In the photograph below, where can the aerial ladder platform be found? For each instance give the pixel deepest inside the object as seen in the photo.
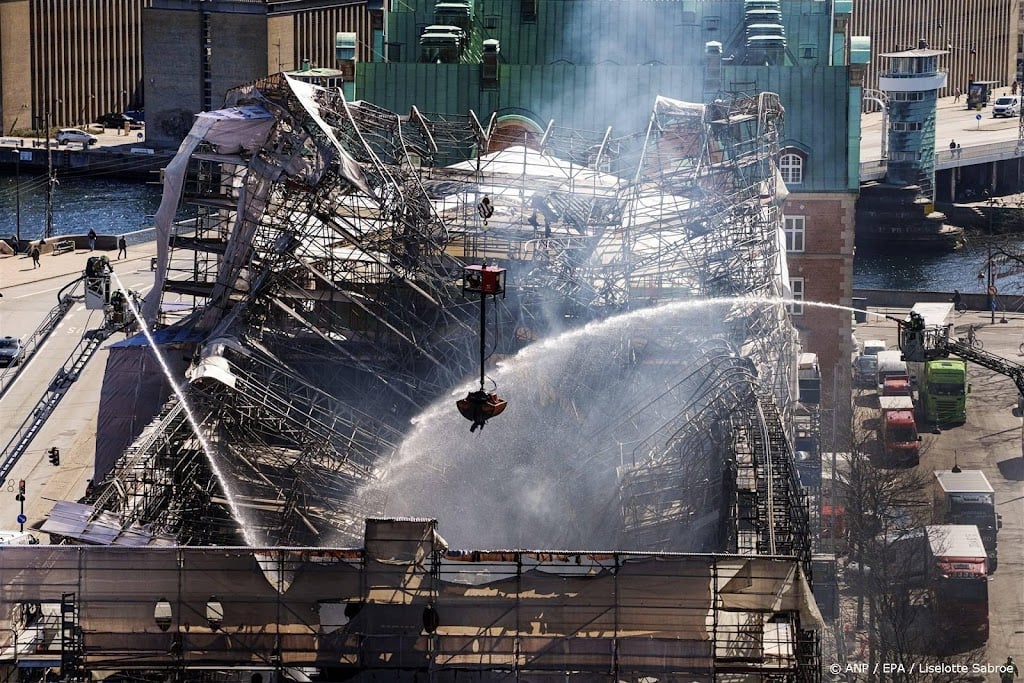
(919, 343)
(97, 297)
(58, 386)
(66, 298)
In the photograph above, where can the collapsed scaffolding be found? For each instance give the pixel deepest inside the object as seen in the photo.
(322, 257)
(315, 281)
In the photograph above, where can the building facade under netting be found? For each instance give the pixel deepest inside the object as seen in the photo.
(404, 607)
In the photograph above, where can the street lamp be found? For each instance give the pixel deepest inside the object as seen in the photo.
(86, 106)
(17, 198)
(214, 613)
(162, 614)
(991, 279)
(51, 179)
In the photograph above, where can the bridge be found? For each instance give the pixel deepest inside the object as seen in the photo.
(989, 154)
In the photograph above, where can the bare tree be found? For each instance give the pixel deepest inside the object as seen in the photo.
(885, 512)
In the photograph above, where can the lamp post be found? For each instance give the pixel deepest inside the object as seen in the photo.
(17, 198)
(990, 288)
(51, 179)
(87, 108)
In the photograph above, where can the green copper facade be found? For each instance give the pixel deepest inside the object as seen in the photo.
(589, 65)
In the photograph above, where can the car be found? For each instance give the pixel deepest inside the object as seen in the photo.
(11, 351)
(1007, 105)
(865, 370)
(137, 118)
(113, 120)
(66, 135)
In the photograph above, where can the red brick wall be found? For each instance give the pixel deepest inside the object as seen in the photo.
(826, 265)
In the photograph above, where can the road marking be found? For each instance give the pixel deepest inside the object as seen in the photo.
(54, 289)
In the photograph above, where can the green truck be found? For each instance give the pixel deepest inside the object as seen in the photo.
(943, 390)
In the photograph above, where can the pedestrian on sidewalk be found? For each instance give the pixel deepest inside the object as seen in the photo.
(92, 239)
(122, 247)
(956, 95)
(34, 253)
(952, 148)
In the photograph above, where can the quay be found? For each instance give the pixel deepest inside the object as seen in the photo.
(115, 154)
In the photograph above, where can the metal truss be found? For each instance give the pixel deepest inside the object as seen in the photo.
(325, 267)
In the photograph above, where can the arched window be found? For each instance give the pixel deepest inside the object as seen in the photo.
(791, 165)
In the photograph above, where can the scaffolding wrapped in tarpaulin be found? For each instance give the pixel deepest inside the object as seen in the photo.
(404, 602)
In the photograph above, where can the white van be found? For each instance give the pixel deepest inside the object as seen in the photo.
(873, 346)
(1007, 105)
(890, 364)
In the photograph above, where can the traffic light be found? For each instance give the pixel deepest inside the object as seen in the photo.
(21, 491)
(54, 456)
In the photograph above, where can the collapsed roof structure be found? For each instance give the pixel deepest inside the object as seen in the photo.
(311, 305)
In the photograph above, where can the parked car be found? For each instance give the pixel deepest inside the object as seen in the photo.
(137, 117)
(66, 135)
(113, 120)
(10, 351)
(865, 371)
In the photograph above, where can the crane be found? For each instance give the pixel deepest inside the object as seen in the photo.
(480, 406)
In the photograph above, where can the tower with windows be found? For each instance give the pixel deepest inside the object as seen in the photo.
(911, 83)
(900, 211)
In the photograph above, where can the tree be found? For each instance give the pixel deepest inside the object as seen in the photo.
(885, 512)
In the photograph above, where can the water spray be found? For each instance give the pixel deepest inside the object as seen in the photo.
(204, 443)
(480, 406)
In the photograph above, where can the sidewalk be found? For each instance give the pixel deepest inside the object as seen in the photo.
(18, 270)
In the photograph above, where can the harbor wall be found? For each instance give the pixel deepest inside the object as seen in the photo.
(905, 299)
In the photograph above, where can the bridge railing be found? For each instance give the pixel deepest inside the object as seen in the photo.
(874, 169)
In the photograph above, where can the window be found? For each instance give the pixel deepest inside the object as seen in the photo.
(904, 156)
(796, 286)
(791, 165)
(906, 96)
(906, 125)
(794, 227)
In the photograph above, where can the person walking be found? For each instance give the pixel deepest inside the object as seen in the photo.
(952, 148)
(122, 247)
(92, 239)
(34, 254)
(1008, 671)
(956, 95)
